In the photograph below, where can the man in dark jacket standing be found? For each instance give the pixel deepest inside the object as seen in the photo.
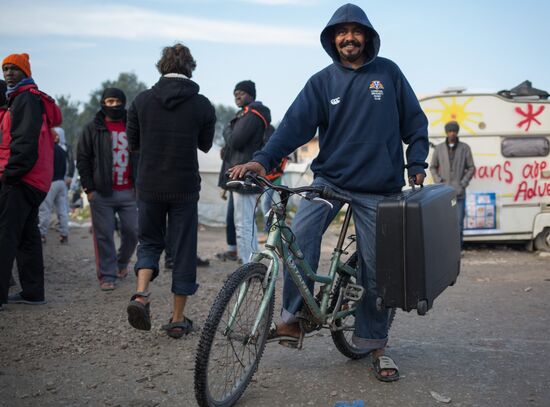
(106, 167)
(166, 125)
(364, 110)
(26, 168)
(453, 164)
(243, 137)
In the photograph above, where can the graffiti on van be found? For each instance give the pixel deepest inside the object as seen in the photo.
(532, 182)
(456, 111)
(529, 116)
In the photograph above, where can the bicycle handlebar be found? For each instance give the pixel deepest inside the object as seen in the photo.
(323, 192)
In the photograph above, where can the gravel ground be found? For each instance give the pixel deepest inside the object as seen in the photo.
(485, 343)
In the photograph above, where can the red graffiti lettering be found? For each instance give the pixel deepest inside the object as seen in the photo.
(509, 176)
(501, 172)
(529, 115)
(534, 170)
(536, 189)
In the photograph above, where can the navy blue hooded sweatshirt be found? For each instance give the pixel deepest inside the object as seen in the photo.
(362, 116)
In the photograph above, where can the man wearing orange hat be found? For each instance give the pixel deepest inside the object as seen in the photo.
(26, 170)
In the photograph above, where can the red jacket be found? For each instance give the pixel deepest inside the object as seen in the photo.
(27, 142)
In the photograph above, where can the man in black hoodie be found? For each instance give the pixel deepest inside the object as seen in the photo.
(106, 166)
(243, 137)
(167, 124)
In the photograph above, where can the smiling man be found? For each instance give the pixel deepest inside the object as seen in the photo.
(363, 109)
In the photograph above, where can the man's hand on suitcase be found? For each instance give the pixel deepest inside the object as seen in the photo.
(417, 179)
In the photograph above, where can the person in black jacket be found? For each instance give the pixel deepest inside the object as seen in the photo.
(26, 168)
(106, 172)
(167, 124)
(243, 137)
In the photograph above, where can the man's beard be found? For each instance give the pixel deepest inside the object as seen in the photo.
(350, 57)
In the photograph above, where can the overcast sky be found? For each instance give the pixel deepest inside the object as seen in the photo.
(75, 45)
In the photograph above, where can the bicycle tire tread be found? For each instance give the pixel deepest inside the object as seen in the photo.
(209, 331)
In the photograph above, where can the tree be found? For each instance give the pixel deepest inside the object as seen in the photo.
(224, 114)
(69, 112)
(126, 81)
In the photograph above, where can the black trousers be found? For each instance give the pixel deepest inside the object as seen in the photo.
(182, 241)
(20, 239)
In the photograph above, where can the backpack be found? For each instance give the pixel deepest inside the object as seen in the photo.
(276, 172)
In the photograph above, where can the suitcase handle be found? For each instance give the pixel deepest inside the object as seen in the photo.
(412, 183)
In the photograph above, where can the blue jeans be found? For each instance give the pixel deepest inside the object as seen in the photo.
(311, 221)
(182, 238)
(245, 225)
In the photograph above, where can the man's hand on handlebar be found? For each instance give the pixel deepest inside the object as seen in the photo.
(239, 171)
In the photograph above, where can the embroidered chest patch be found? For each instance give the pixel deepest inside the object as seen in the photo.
(376, 90)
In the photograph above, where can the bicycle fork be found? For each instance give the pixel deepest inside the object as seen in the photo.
(269, 281)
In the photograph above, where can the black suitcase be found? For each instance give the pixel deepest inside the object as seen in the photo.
(417, 247)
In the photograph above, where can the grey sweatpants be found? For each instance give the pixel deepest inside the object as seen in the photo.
(57, 197)
(103, 209)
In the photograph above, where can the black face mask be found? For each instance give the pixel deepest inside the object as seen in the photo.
(113, 112)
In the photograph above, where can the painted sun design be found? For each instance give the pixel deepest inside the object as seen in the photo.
(457, 112)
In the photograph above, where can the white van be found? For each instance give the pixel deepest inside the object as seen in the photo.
(509, 135)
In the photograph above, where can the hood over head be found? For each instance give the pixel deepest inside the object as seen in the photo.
(350, 13)
(114, 93)
(61, 133)
(170, 92)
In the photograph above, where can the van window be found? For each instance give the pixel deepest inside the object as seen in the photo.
(525, 147)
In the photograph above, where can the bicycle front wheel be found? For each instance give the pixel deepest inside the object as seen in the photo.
(228, 354)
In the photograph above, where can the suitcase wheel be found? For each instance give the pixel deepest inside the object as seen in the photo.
(379, 304)
(421, 307)
(453, 283)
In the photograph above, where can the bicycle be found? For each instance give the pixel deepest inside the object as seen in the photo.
(235, 333)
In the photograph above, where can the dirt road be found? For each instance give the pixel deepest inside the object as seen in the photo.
(485, 343)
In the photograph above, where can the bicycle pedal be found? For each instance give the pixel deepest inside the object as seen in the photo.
(353, 292)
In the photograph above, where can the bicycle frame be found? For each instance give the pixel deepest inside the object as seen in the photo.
(281, 246)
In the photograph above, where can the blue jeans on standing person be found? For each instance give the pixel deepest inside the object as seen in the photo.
(311, 221)
(183, 224)
(460, 206)
(245, 224)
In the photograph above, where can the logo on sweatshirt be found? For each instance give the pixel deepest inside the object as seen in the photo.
(335, 101)
(376, 90)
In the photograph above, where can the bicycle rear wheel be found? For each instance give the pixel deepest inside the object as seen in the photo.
(343, 338)
(227, 356)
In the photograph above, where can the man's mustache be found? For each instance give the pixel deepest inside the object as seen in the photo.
(345, 43)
